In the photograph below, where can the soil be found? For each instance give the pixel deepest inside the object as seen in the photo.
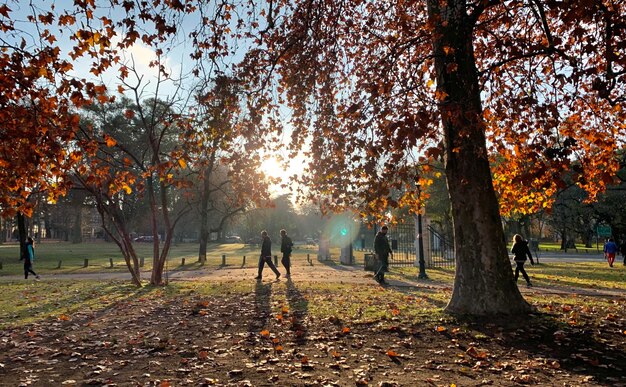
(237, 339)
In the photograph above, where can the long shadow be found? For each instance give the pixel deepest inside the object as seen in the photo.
(574, 349)
(298, 310)
(262, 307)
(340, 267)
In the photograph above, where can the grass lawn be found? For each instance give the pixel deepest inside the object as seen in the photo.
(248, 333)
(99, 254)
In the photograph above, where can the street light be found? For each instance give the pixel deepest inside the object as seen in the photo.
(420, 241)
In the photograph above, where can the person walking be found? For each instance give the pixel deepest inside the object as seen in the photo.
(266, 256)
(286, 246)
(610, 249)
(382, 249)
(28, 255)
(521, 251)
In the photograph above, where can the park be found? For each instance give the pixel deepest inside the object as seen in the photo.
(329, 324)
(393, 163)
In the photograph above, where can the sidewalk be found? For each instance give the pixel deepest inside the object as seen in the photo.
(317, 273)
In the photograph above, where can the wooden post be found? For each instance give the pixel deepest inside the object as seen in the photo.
(223, 259)
(243, 264)
(1, 263)
(111, 262)
(141, 259)
(86, 264)
(308, 258)
(182, 262)
(59, 265)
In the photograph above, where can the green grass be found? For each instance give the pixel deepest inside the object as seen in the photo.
(586, 275)
(98, 254)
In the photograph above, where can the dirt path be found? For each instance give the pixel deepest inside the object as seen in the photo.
(316, 272)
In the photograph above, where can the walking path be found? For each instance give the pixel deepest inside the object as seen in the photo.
(317, 272)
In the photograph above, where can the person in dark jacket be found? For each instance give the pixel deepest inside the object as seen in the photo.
(383, 251)
(28, 255)
(610, 250)
(521, 251)
(286, 246)
(266, 256)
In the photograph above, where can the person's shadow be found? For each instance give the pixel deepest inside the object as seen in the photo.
(262, 307)
(298, 309)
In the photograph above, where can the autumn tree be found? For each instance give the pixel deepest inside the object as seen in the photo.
(227, 161)
(375, 87)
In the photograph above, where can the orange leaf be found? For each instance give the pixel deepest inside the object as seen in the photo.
(203, 355)
(110, 141)
(439, 328)
(165, 383)
(391, 353)
(476, 354)
(64, 317)
(395, 312)
(345, 330)
(304, 360)
(265, 333)
(278, 348)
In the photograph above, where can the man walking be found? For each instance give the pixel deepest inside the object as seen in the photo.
(266, 256)
(383, 251)
(286, 246)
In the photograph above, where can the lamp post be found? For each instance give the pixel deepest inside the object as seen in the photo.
(420, 241)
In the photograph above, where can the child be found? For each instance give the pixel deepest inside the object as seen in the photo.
(520, 250)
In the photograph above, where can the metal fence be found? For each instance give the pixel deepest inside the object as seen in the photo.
(438, 251)
(441, 250)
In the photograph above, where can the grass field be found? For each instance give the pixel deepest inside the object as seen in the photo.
(99, 256)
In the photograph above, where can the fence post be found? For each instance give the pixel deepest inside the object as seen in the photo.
(59, 265)
(243, 264)
(86, 264)
(141, 259)
(223, 259)
(308, 258)
(0, 265)
(182, 262)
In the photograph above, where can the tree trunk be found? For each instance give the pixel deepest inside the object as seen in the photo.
(484, 281)
(21, 232)
(204, 207)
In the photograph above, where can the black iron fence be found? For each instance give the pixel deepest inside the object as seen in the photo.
(438, 251)
(441, 250)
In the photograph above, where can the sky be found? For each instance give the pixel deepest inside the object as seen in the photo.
(177, 63)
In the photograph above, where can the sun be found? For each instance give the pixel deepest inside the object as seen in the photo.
(275, 168)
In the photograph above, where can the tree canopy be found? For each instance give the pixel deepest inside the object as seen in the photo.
(509, 94)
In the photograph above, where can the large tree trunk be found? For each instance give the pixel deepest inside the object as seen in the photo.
(484, 281)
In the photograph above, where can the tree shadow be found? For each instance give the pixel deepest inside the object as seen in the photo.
(556, 344)
(339, 266)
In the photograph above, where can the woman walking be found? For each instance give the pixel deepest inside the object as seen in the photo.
(521, 251)
(28, 256)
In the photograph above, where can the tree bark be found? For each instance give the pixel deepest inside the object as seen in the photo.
(484, 281)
